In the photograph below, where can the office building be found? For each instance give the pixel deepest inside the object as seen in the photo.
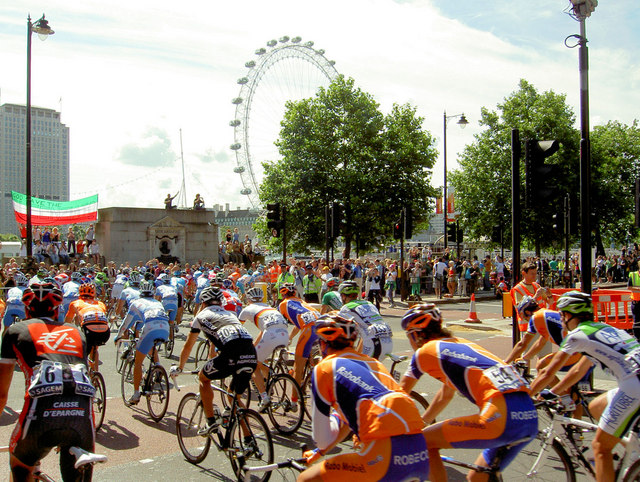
(49, 158)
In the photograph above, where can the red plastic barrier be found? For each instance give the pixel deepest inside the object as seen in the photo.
(609, 306)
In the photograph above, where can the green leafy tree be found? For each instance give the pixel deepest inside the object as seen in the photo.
(483, 182)
(339, 148)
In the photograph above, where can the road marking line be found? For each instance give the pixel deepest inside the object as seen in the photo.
(146, 461)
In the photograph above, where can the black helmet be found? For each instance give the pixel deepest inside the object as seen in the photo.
(212, 295)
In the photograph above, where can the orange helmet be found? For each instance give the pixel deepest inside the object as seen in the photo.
(87, 290)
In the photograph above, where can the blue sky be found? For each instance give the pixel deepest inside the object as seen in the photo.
(129, 76)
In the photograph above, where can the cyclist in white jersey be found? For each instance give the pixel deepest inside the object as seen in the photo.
(70, 293)
(618, 353)
(273, 333)
(376, 337)
(15, 306)
(168, 296)
(152, 323)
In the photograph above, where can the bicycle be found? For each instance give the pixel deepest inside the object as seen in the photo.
(244, 436)
(565, 443)
(420, 399)
(155, 382)
(202, 352)
(84, 460)
(99, 398)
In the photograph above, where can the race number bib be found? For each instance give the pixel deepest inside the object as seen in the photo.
(271, 320)
(504, 378)
(380, 330)
(50, 377)
(633, 359)
(94, 316)
(306, 318)
(366, 310)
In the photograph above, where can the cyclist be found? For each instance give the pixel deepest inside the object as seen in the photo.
(236, 353)
(302, 317)
(151, 323)
(618, 353)
(180, 284)
(273, 333)
(331, 299)
(168, 296)
(118, 285)
(506, 412)
(232, 300)
(91, 315)
(201, 283)
(57, 409)
(15, 306)
(129, 293)
(102, 284)
(376, 337)
(353, 392)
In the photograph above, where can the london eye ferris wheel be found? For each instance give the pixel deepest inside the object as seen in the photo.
(287, 69)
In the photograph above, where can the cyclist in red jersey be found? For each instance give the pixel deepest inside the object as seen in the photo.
(354, 392)
(506, 412)
(52, 356)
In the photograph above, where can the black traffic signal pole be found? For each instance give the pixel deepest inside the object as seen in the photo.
(284, 234)
(515, 223)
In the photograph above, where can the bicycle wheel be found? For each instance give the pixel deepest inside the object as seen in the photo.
(122, 351)
(554, 466)
(419, 401)
(126, 381)
(285, 414)
(157, 392)
(250, 444)
(632, 474)
(202, 353)
(245, 398)
(189, 419)
(114, 320)
(99, 399)
(169, 344)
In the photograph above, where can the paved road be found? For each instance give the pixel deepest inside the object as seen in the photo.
(141, 449)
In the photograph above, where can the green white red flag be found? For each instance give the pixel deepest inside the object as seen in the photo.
(55, 213)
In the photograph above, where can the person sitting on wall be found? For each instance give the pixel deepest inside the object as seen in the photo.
(198, 202)
(168, 201)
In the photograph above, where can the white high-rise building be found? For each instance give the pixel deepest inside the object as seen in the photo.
(49, 158)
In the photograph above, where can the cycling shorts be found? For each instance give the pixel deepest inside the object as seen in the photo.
(623, 408)
(48, 422)
(502, 419)
(196, 297)
(306, 338)
(116, 290)
(271, 339)
(148, 338)
(95, 334)
(380, 344)
(13, 309)
(402, 457)
(170, 305)
(236, 355)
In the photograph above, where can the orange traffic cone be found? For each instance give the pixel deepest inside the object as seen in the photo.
(473, 316)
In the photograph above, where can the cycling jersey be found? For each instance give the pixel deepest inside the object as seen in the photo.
(93, 316)
(236, 353)
(365, 396)
(118, 285)
(201, 284)
(375, 333)
(52, 356)
(14, 306)
(129, 294)
(332, 299)
(169, 298)
(232, 301)
(617, 353)
(548, 325)
(303, 317)
(148, 315)
(272, 325)
(506, 410)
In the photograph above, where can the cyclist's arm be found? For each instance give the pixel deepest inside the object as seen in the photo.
(438, 404)
(519, 347)
(548, 372)
(293, 334)
(328, 431)
(573, 376)
(535, 349)
(71, 314)
(186, 349)
(128, 321)
(6, 374)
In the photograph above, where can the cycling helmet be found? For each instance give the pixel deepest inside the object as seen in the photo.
(49, 279)
(227, 284)
(20, 279)
(331, 327)
(84, 271)
(348, 288)
(164, 277)
(42, 273)
(62, 278)
(220, 276)
(148, 275)
(255, 294)
(87, 290)
(212, 295)
(420, 317)
(147, 288)
(101, 276)
(76, 276)
(135, 278)
(41, 299)
(527, 303)
(576, 302)
(287, 289)
(331, 282)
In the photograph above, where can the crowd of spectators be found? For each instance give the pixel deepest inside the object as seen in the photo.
(52, 247)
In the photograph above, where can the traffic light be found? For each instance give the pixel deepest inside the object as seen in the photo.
(397, 230)
(452, 232)
(408, 222)
(460, 235)
(496, 234)
(540, 179)
(275, 222)
(558, 224)
(336, 219)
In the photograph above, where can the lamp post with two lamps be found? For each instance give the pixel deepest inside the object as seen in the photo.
(462, 122)
(41, 27)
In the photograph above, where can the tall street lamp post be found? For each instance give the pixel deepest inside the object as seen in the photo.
(41, 27)
(462, 122)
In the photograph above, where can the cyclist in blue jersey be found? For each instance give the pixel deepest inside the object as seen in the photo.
(15, 306)
(69, 293)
